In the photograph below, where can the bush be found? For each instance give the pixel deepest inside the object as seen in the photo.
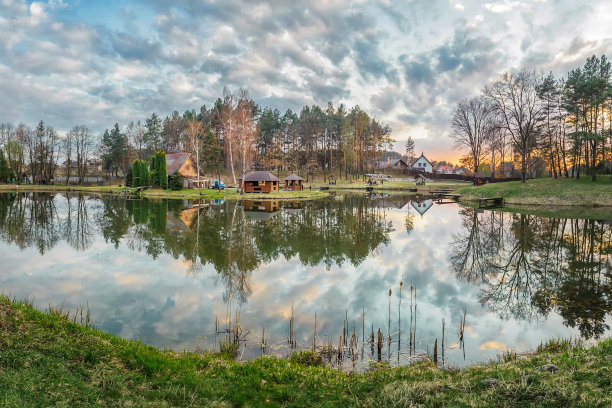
(176, 181)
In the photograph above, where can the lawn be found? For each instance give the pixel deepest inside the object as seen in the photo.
(546, 191)
(47, 359)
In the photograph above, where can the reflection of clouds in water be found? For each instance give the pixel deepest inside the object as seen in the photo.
(162, 303)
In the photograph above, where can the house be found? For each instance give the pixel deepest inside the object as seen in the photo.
(259, 182)
(536, 168)
(460, 171)
(441, 169)
(390, 164)
(183, 164)
(294, 183)
(422, 164)
(507, 169)
(421, 206)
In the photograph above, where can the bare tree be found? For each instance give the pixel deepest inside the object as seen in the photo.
(471, 125)
(68, 146)
(515, 100)
(84, 144)
(194, 130)
(136, 132)
(247, 132)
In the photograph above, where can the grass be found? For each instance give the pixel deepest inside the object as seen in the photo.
(547, 191)
(158, 193)
(46, 359)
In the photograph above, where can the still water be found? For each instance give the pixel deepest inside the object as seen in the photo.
(166, 271)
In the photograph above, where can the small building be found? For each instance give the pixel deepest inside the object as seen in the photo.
(419, 179)
(331, 179)
(294, 183)
(422, 164)
(442, 169)
(390, 164)
(185, 166)
(259, 182)
(479, 178)
(460, 171)
(508, 170)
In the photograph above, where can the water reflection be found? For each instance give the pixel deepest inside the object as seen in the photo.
(529, 266)
(161, 270)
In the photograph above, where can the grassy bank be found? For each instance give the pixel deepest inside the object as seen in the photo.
(546, 191)
(181, 194)
(46, 359)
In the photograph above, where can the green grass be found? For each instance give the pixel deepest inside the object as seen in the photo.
(158, 193)
(546, 191)
(48, 360)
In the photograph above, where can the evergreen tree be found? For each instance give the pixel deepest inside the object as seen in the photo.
(163, 172)
(153, 171)
(4, 168)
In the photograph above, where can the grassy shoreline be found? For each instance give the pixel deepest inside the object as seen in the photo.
(546, 192)
(47, 359)
(229, 194)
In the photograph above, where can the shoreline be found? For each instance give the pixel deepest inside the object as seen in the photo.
(47, 358)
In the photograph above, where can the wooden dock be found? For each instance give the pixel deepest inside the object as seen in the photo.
(484, 202)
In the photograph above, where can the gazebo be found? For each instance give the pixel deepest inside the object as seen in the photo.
(259, 182)
(294, 183)
(331, 179)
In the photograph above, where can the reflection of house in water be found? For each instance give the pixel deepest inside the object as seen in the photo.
(261, 210)
(421, 206)
(292, 207)
(184, 221)
(398, 202)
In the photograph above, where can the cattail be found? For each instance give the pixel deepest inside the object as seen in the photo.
(435, 355)
(389, 328)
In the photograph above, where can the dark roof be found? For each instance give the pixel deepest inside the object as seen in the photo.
(259, 176)
(293, 177)
(480, 175)
(174, 162)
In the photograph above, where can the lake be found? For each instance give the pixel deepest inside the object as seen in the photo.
(170, 272)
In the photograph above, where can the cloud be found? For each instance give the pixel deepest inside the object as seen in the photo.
(408, 63)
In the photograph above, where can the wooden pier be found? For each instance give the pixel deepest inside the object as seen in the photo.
(490, 202)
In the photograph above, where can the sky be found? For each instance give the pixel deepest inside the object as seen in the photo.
(407, 63)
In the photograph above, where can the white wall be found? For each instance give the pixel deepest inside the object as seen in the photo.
(422, 164)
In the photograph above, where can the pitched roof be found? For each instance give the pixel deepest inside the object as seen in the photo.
(174, 162)
(423, 156)
(259, 176)
(293, 177)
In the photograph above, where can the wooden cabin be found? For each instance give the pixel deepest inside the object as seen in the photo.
(294, 183)
(259, 182)
(185, 166)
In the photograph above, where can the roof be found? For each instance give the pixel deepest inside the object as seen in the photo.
(480, 174)
(259, 176)
(174, 161)
(383, 164)
(423, 156)
(293, 177)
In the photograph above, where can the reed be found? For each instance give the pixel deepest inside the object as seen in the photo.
(389, 316)
(435, 352)
(442, 342)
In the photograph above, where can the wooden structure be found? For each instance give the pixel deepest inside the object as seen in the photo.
(294, 183)
(185, 166)
(420, 180)
(259, 182)
(490, 202)
(479, 179)
(332, 179)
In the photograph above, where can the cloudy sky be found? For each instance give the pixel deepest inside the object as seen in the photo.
(408, 62)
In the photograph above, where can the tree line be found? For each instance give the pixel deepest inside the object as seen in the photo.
(234, 135)
(525, 116)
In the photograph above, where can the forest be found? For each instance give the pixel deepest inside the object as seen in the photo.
(526, 117)
(233, 135)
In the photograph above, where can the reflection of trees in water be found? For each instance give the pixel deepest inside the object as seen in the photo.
(235, 242)
(39, 220)
(530, 266)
